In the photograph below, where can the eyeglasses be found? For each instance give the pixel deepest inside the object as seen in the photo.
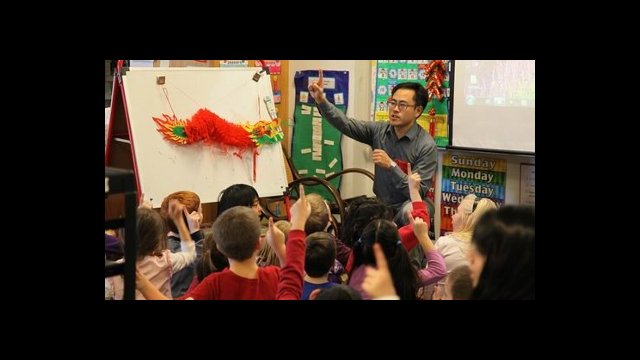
(401, 105)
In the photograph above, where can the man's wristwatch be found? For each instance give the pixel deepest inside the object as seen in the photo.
(393, 164)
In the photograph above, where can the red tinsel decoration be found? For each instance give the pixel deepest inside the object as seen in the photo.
(211, 129)
(219, 133)
(435, 72)
(432, 123)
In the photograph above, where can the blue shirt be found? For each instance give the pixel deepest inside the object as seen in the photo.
(308, 288)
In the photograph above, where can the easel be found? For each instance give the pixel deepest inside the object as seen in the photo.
(135, 144)
(119, 152)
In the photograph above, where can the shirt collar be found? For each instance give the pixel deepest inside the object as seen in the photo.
(411, 134)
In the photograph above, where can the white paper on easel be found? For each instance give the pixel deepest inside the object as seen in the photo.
(232, 95)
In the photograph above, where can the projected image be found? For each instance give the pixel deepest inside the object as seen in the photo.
(500, 83)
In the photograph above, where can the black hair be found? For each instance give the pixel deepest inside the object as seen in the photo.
(506, 238)
(384, 232)
(236, 195)
(359, 214)
(320, 254)
(338, 292)
(420, 93)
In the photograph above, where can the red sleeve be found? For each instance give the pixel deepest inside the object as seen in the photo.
(291, 275)
(205, 289)
(407, 236)
(193, 284)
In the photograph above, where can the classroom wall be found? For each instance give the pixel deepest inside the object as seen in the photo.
(354, 154)
(358, 155)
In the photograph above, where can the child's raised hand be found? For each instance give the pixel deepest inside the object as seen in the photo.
(300, 211)
(275, 236)
(175, 210)
(413, 179)
(378, 282)
(419, 226)
(193, 220)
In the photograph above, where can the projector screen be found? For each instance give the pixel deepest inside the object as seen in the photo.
(494, 105)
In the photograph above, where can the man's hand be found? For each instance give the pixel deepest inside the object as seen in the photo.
(381, 159)
(316, 90)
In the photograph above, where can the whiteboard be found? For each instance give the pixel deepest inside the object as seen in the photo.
(164, 167)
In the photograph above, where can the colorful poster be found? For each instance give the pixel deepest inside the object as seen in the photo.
(316, 146)
(465, 174)
(434, 119)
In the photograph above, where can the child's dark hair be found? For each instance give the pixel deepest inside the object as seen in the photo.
(236, 232)
(236, 195)
(506, 238)
(384, 232)
(338, 292)
(359, 214)
(320, 254)
(212, 259)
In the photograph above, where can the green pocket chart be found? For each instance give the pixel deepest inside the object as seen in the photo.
(316, 145)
